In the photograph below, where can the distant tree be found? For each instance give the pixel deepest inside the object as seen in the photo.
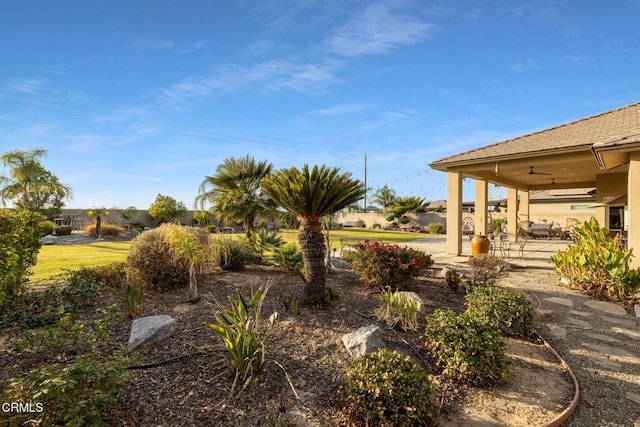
(128, 213)
(404, 206)
(235, 192)
(353, 207)
(97, 214)
(201, 217)
(30, 186)
(385, 197)
(312, 194)
(166, 208)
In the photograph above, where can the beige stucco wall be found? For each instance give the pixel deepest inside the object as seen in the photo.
(115, 217)
(559, 212)
(371, 218)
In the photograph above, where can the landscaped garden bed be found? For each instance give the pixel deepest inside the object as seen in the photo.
(194, 387)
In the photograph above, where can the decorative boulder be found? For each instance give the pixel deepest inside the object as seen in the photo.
(49, 240)
(150, 329)
(339, 263)
(365, 340)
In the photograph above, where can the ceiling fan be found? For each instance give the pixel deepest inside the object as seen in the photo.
(531, 172)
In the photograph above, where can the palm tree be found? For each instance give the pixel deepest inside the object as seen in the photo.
(31, 186)
(234, 191)
(413, 204)
(192, 244)
(386, 197)
(312, 194)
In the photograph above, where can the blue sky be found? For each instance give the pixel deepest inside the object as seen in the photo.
(136, 98)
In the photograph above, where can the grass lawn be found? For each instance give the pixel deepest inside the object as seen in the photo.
(361, 234)
(54, 259)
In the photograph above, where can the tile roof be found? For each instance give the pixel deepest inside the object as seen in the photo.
(604, 128)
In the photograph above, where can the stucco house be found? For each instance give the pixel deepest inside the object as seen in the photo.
(600, 151)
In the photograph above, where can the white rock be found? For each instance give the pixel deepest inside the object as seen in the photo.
(636, 308)
(339, 263)
(150, 329)
(365, 340)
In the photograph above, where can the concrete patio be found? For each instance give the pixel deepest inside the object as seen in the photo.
(537, 252)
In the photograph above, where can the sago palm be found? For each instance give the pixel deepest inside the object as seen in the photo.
(312, 194)
(234, 191)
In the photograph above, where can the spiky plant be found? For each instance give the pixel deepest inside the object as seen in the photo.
(311, 194)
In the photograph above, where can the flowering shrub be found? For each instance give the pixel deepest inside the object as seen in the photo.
(386, 266)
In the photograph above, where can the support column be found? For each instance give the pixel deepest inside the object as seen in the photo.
(512, 214)
(480, 222)
(454, 213)
(523, 209)
(633, 205)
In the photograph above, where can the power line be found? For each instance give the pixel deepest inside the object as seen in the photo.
(194, 133)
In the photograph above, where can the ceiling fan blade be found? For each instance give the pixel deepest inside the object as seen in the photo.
(531, 172)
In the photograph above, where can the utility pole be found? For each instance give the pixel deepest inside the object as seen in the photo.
(365, 182)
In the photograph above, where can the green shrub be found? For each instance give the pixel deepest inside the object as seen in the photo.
(597, 265)
(435, 227)
(509, 312)
(397, 309)
(465, 348)
(497, 225)
(375, 225)
(153, 264)
(387, 389)
(47, 227)
(81, 289)
(232, 254)
(453, 279)
(244, 338)
(289, 257)
(63, 230)
(106, 229)
(72, 395)
(129, 295)
(111, 275)
(486, 268)
(265, 240)
(19, 246)
(78, 389)
(361, 224)
(384, 265)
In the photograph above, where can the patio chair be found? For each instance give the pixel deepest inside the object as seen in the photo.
(525, 238)
(505, 247)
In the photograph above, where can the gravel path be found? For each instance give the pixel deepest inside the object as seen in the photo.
(599, 341)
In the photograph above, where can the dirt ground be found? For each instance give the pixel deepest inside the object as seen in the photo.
(195, 390)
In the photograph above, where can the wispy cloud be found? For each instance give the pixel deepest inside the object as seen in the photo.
(378, 29)
(165, 45)
(527, 64)
(26, 85)
(267, 76)
(337, 110)
(86, 142)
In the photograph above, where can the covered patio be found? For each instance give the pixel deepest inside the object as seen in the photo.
(601, 151)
